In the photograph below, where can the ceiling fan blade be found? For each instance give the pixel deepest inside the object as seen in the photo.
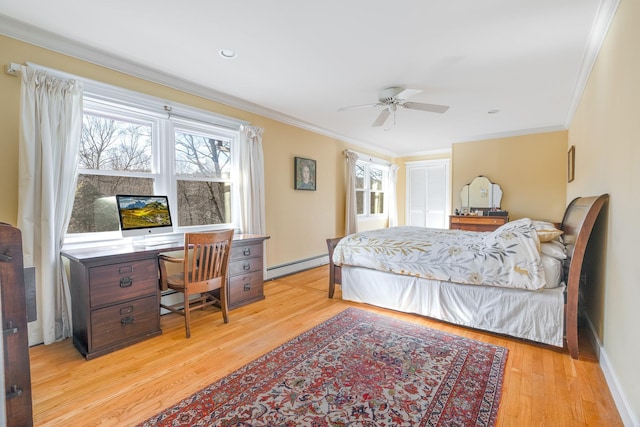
(382, 117)
(434, 108)
(408, 93)
(355, 107)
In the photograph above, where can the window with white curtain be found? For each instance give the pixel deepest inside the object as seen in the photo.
(130, 146)
(371, 184)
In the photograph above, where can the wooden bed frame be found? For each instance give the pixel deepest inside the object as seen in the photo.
(577, 224)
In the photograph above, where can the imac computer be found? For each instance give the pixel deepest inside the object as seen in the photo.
(144, 215)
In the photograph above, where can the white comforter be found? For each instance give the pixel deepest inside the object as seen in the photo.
(507, 257)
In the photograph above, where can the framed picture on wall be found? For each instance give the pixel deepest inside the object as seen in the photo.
(571, 163)
(304, 177)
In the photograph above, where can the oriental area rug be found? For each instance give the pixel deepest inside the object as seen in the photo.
(356, 369)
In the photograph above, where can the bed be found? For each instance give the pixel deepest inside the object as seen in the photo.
(494, 281)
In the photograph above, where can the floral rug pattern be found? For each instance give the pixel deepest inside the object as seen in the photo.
(356, 369)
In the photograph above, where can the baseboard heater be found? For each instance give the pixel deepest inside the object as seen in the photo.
(296, 266)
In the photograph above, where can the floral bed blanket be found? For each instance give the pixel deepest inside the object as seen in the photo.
(507, 257)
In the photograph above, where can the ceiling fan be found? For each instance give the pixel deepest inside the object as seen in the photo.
(392, 97)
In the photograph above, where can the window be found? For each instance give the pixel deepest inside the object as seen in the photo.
(371, 183)
(203, 178)
(128, 148)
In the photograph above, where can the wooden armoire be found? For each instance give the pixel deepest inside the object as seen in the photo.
(17, 373)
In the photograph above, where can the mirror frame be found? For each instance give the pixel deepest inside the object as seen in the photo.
(486, 189)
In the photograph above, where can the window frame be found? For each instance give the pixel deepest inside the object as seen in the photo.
(368, 164)
(164, 117)
(202, 129)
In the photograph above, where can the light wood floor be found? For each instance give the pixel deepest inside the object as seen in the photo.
(543, 386)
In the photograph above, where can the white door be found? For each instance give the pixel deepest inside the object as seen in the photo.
(428, 201)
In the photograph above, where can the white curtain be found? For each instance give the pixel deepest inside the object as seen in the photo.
(252, 198)
(351, 215)
(392, 198)
(50, 131)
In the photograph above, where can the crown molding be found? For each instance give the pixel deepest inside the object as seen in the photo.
(33, 35)
(604, 17)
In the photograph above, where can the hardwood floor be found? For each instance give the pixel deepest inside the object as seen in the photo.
(543, 386)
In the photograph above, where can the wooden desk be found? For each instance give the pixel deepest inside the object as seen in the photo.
(476, 223)
(115, 295)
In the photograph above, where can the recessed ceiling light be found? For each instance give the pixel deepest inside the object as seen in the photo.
(228, 53)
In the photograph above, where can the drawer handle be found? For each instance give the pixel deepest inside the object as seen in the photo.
(246, 266)
(14, 391)
(246, 287)
(126, 282)
(10, 329)
(127, 320)
(5, 257)
(246, 251)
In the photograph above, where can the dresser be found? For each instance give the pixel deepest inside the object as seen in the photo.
(476, 223)
(116, 298)
(246, 277)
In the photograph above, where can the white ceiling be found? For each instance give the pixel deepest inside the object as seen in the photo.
(300, 61)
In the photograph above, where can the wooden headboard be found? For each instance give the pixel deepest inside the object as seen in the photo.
(577, 224)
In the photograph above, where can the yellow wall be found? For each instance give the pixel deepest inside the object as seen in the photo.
(531, 170)
(297, 221)
(606, 131)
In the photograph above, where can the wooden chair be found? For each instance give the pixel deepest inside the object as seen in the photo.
(202, 269)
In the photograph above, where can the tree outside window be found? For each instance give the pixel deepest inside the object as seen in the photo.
(127, 152)
(203, 172)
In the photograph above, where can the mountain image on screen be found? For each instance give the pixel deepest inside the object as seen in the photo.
(144, 213)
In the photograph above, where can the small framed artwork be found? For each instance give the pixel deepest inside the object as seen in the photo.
(571, 166)
(304, 177)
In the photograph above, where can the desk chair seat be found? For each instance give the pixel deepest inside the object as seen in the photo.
(202, 269)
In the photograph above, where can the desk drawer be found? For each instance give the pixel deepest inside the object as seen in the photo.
(244, 287)
(245, 266)
(119, 282)
(122, 322)
(241, 251)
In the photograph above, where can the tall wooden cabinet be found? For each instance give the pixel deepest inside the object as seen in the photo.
(17, 374)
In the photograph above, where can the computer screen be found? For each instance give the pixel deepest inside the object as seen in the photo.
(142, 215)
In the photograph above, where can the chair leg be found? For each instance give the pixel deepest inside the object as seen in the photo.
(187, 315)
(224, 307)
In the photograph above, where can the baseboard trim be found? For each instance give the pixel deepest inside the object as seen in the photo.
(622, 403)
(296, 267)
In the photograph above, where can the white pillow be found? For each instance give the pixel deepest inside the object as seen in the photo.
(552, 271)
(554, 249)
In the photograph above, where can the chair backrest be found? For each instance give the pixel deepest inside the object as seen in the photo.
(206, 259)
